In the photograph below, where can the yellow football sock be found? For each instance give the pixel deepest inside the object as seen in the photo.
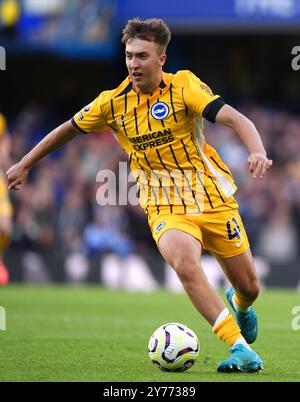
(242, 303)
(228, 330)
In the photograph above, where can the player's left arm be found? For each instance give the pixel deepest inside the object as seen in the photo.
(258, 161)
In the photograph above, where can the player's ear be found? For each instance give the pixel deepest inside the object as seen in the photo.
(163, 59)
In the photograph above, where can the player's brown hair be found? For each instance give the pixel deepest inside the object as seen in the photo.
(151, 29)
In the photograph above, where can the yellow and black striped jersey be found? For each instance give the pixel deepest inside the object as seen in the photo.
(162, 132)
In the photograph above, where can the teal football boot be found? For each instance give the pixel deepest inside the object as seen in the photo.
(246, 321)
(243, 360)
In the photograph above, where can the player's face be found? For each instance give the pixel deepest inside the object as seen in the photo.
(144, 64)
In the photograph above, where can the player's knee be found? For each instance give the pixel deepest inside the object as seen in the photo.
(250, 291)
(255, 291)
(186, 268)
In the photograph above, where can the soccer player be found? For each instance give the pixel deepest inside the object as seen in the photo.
(5, 205)
(184, 187)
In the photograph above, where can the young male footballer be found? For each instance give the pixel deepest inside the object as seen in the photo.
(184, 187)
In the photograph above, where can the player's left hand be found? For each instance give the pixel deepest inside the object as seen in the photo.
(259, 163)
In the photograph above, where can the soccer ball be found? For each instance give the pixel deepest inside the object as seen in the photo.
(173, 347)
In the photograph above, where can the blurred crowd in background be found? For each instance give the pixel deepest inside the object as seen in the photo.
(74, 27)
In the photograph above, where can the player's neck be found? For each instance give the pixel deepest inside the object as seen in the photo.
(150, 88)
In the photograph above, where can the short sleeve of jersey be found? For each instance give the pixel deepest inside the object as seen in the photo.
(197, 95)
(2, 125)
(90, 118)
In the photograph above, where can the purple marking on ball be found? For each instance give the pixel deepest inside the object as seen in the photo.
(168, 337)
(183, 351)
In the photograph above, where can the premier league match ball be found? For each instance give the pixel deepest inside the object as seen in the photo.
(173, 347)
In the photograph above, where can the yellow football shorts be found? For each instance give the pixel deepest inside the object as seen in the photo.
(222, 233)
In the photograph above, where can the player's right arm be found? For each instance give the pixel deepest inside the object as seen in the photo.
(88, 120)
(54, 140)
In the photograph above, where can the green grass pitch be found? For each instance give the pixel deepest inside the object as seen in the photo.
(91, 334)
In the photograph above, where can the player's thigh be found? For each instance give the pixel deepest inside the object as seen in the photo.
(240, 271)
(226, 238)
(181, 250)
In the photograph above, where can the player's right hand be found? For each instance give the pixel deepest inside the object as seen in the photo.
(16, 175)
